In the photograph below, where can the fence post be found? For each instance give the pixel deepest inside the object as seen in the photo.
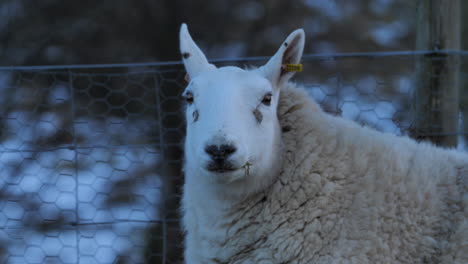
(437, 80)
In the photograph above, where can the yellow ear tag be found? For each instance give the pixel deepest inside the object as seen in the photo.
(292, 67)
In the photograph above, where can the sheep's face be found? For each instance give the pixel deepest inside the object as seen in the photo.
(233, 133)
(232, 127)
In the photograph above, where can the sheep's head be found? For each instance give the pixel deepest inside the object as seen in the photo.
(233, 133)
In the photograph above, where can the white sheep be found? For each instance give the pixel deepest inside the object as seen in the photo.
(271, 178)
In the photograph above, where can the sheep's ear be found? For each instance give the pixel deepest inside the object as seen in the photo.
(194, 60)
(290, 52)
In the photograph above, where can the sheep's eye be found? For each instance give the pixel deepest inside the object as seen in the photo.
(267, 99)
(188, 97)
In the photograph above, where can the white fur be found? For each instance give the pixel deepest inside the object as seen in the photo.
(325, 190)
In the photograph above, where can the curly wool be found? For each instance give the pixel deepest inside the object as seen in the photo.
(345, 194)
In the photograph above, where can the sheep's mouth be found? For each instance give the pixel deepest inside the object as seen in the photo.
(221, 168)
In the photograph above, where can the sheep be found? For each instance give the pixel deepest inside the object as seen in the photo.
(271, 178)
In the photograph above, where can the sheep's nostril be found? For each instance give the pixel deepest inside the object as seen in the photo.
(212, 150)
(220, 153)
(227, 149)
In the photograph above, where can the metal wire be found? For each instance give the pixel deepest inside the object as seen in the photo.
(322, 56)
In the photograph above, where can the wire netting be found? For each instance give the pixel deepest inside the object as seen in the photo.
(90, 156)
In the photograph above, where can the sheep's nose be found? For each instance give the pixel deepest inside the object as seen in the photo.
(220, 153)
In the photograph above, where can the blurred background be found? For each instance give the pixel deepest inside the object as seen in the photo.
(90, 112)
(62, 32)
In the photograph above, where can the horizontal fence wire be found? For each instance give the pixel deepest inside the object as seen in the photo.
(90, 155)
(409, 53)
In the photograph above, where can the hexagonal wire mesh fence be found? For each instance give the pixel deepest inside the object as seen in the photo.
(90, 155)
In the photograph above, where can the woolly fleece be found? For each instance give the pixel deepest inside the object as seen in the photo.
(345, 194)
